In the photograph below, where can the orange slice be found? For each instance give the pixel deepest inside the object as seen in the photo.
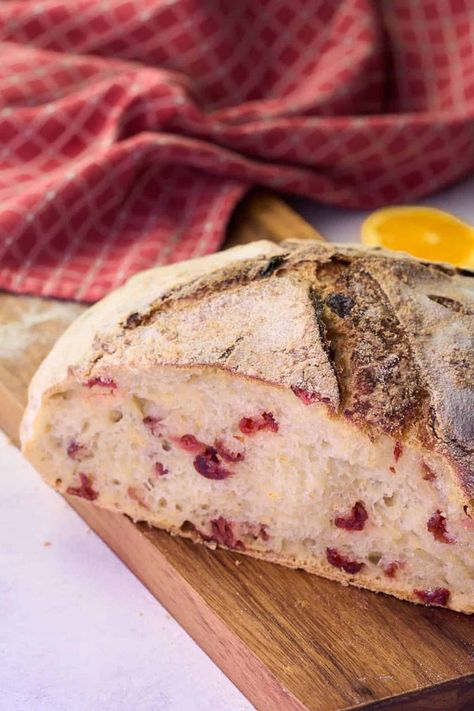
(425, 232)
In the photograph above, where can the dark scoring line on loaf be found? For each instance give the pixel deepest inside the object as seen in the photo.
(370, 343)
(222, 279)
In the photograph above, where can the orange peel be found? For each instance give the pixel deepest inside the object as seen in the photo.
(424, 232)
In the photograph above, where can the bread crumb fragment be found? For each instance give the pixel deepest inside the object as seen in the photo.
(302, 603)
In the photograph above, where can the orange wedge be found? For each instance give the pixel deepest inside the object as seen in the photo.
(425, 232)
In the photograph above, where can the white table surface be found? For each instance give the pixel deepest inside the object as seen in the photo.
(78, 632)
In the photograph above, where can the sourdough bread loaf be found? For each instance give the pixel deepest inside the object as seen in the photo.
(305, 403)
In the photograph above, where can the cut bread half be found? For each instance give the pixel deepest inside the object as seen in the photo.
(309, 404)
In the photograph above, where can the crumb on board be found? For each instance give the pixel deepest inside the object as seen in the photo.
(302, 603)
(47, 544)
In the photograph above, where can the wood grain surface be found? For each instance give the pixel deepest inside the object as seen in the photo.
(289, 640)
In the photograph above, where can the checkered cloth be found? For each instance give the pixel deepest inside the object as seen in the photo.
(129, 129)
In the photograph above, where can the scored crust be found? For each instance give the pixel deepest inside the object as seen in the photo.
(383, 339)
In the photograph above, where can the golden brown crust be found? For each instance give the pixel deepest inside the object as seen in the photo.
(385, 340)
(380, 388)
(390, 345)
(367, 582)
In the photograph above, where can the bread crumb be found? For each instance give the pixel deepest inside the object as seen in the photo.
(302, 603)
(238, 562)
(47, 544)
(273, 495)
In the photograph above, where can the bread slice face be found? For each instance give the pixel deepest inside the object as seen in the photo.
(304, 403)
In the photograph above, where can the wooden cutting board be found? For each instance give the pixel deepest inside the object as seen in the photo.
(290, 641)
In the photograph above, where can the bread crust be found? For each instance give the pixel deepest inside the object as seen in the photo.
(382, 339)
(361, 580)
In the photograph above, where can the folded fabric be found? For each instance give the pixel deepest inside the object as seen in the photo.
(130, 129)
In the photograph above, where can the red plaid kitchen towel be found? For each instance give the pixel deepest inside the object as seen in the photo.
(130, 128)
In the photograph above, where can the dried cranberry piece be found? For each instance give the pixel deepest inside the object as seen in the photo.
(436, 596)
(103, 382)
(209, 465)
(160, 469)
(226, 453)
(304, 395)
(223, 533)
(397, 451)
(251, 425)
(263, 533)
(341, 561)
(75, 450)
(390, 569)
(269, 422)
(153, 424)
(190, 443)
(260, 531)
(428, 473)
(437, 526)
(355, 521)
(85, 490)
(135, 496)
(248, 426)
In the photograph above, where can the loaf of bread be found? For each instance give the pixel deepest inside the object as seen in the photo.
(305, 403)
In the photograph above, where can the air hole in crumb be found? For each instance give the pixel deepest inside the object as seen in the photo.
(204, 507)
(143, 405)
(178, 507)
(58, 482)
(162, 502)
(64, 395)
(85, 426)
(166, 445)
(389, 500)
(187, 527)
(140, 403)
(374, 558)
(116, 482)
(115, 416)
